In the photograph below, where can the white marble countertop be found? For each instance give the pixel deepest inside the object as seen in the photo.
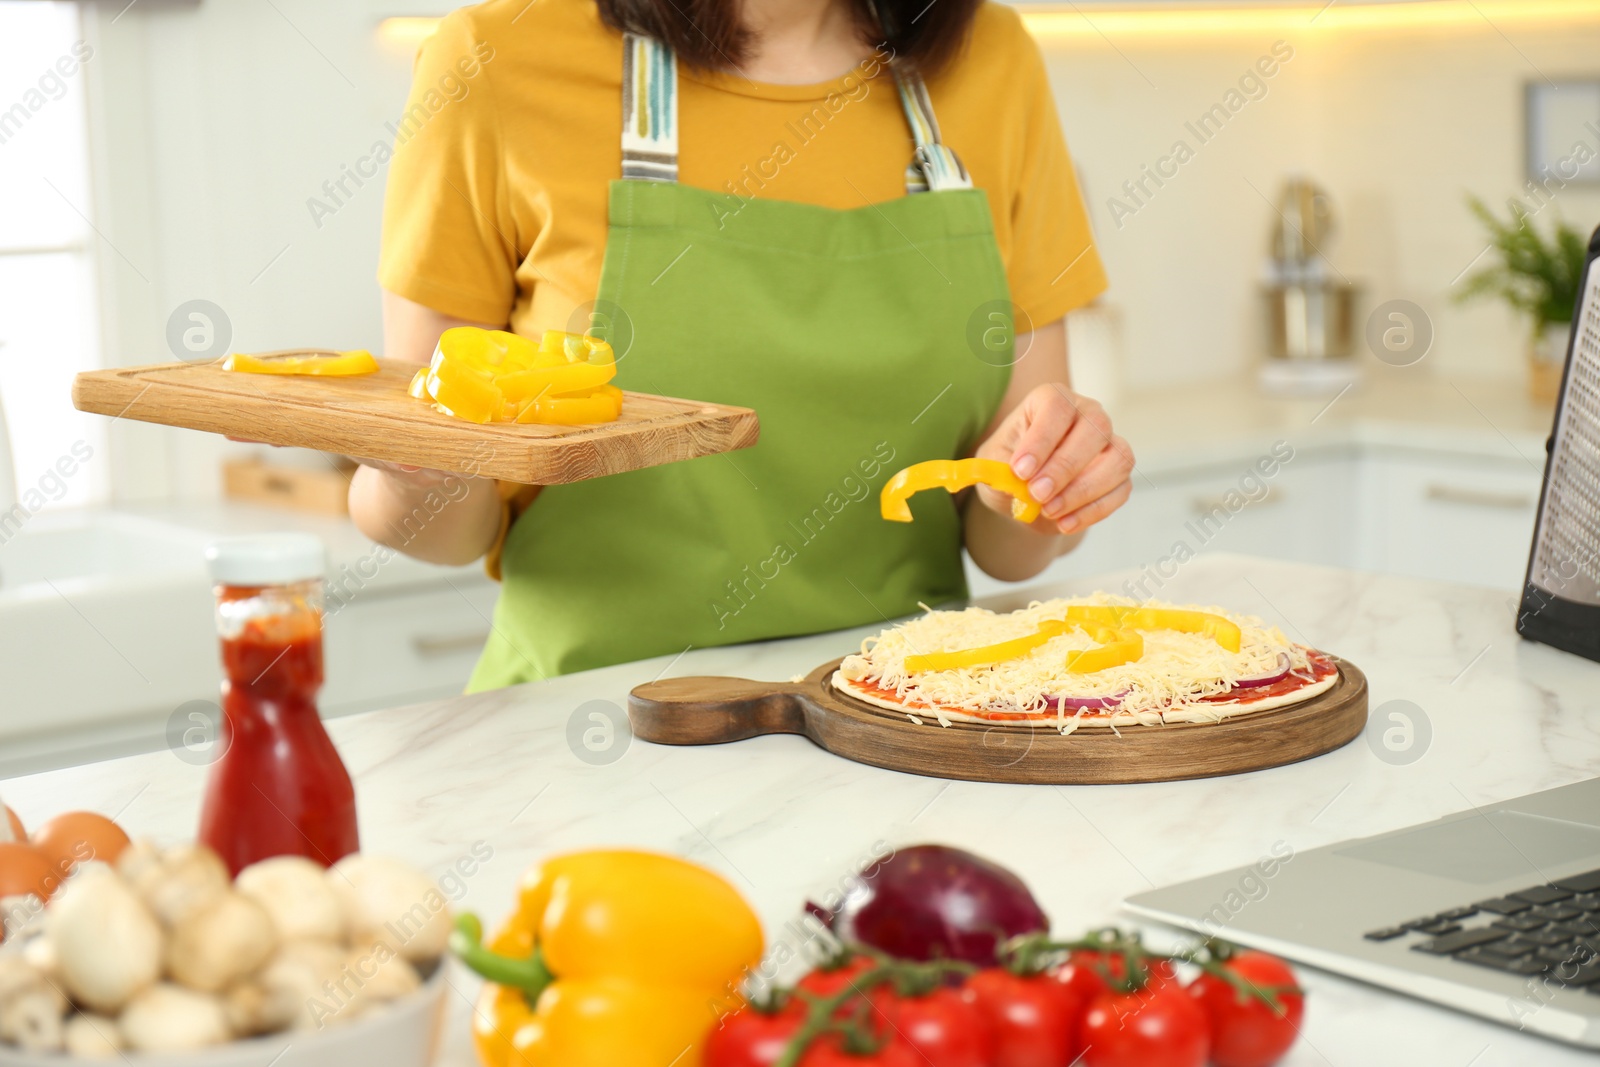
(783, 819)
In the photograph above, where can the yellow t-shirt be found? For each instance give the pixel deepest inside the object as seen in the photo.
(496, 208)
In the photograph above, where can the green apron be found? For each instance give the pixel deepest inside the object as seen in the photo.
(849, 332)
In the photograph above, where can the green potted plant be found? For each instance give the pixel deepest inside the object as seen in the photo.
(1538, 277)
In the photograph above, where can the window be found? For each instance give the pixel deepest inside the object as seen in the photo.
(49, 327)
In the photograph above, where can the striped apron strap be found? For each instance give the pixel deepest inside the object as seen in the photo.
(649, 110)
(934, 167)
(650, 121)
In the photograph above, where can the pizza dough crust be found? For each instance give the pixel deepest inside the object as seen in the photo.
(1211, 711)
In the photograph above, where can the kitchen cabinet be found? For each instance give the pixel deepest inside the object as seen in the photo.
(398, 648)
(1448, 516)
(1440, 517)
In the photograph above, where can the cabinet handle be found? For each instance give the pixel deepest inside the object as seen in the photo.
(1205, 505)
(447, 644)
(1479, 498)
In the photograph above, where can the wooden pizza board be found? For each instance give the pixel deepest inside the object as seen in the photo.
(373, 417)
(708, 711)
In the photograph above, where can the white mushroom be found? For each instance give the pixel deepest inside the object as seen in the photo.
(296, 893)
(378, 975)
(31, 1008)
(214, 946)
(389, 901)
(251, 1010)
(93, 1037)
(178, 882)
(296, 984)
(17, 975)
(33, 1020)
(141, 855)
(170, 1018)
(40, 952)
(107, 942)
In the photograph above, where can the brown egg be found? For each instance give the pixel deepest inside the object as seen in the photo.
(18, 832)
(24, 869)
(70, 839)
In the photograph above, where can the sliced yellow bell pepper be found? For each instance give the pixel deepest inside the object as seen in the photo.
(1116, 648)
(495, 376)
(342, 365)
(600, 405)
(1116, 628)
(986, 655)
(955, 475)
(611, 958)
(1224, 631)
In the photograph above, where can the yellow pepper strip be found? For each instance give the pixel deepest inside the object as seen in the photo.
(1225, 632)
(419, 384)
(323, 365)
(611, 958)
(983, 656)
(955, 475)
(601, 405)
(1116, 648)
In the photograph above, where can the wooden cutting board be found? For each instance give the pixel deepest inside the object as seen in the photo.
(709, 711)
(373, 417)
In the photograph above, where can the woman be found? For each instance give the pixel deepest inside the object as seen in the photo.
(763, 203)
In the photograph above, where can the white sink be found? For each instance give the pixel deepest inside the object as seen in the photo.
(61, 547)
(105, 632)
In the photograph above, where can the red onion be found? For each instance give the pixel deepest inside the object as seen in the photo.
(934, 902)
(1266, 679)
(1092, 703)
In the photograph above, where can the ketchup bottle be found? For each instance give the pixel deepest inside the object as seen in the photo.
(279, 787)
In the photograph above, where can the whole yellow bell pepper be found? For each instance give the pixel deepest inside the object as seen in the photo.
(611, 959)
(954, 475)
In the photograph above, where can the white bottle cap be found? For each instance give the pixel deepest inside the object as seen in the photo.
(266, 559)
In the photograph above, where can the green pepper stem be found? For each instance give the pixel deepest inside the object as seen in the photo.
(529, 975)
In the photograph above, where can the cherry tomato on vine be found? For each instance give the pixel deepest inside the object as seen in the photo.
(751, 1038)
(1245, 1030)
(829, 1053)
(1159, 1026)
(946, 1028)
(826, 982)
(1035, 1017)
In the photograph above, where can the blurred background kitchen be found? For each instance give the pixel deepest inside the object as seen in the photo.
(1280, 191)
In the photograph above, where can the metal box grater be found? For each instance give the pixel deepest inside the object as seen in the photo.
(1561, 596)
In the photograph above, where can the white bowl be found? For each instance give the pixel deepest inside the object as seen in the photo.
(403, 1034)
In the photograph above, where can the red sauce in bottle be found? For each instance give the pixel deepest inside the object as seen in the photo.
(279, 787)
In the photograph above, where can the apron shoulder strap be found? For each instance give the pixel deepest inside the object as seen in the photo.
(649, 110)
(650, 121)
(934, 166)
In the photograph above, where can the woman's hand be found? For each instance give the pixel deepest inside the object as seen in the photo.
(1063, 445)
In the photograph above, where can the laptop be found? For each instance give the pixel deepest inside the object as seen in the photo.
(1494, 911)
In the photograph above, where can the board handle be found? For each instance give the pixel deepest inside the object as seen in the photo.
(711, 710)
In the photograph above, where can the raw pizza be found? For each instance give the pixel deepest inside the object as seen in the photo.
(1100, 661)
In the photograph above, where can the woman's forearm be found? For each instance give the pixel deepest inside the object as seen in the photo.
(1006, 549)
(450, 519)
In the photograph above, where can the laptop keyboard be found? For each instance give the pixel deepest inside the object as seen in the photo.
(1551, 931)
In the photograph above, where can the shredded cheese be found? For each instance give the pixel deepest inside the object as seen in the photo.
(1176, 670)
